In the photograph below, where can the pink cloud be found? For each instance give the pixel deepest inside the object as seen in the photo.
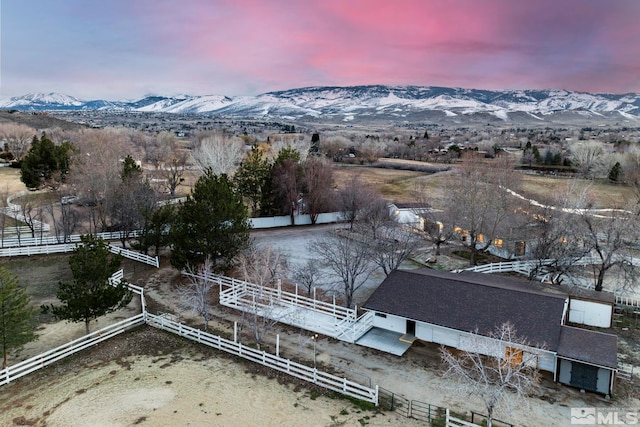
(574, 44)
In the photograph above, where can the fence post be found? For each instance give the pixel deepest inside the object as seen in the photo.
(447, 418)
(377, 396)
(278, 345)
(235, 331)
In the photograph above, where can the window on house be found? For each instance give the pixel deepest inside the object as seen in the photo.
(461, 232)
(520, 248)
(381, 315)
(497, 243)
(513, 355)
(480, 238)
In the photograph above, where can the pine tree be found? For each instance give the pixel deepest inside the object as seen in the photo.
(90, 295)
(45, 161)
(212, 223)
(615, 172)
(251, 179)
(16, 314)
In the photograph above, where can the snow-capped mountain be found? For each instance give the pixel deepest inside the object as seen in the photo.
(42, 101)
(407, 103)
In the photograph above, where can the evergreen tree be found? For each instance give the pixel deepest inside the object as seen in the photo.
(212, 222)
(536, 155)
(155, 232)
(16, 314)
(615, 172)
(130, 168)
(45, 161)
(251, 179)
(90, 295)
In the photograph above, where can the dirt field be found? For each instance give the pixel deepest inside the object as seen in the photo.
(151, 378)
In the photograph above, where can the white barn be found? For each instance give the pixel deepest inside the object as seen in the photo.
(446, 308)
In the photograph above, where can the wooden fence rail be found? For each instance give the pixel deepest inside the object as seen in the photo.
(306, 373)
(32, 364)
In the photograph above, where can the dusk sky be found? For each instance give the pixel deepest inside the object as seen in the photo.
(125, 49)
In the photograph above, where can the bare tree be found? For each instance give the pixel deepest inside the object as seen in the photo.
(436, 224)
(295, 142)
(500, 369)
(557, 247)
(317, 187)
(17, 137)
(286, 176)
(263, 266)
(194, 297)
(4, 204)
(348, 261)
(95, 170)
(63, 214)
(218, 152)
(308, 275)
(159, 150)
(588, 158)
(395, 244)
(478, 201)
(31, 214)
(353, 198)
(609, 236)
(172, 171)
(374, 217)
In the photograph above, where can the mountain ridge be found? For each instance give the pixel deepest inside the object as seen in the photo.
(348, 103)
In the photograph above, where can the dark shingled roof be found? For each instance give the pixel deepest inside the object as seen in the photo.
(471, 301)
(587, 346)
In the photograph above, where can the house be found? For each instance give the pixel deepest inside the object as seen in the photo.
(447, 308)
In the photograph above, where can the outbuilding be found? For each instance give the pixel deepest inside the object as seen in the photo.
(448, 308)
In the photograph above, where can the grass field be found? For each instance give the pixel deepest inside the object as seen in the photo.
(10, 181)
(602, 194)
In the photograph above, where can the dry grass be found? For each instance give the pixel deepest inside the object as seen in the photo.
(602, 194)
(10, 181)
(395, 185)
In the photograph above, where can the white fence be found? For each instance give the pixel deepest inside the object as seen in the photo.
(69, 247)
(306, 373)
(285, 221)
(136, 256)
(621, 297)
(291, 308)
(452, 421)
(20, 369)
(54, 240)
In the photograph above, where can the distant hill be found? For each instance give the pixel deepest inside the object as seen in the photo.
(36, 120)
(373, 103)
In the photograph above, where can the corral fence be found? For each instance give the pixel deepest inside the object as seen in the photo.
(32, 364)
(481, 418)
(452, 421)
(425, 412)
(287, 366)
(48, 249)
(54, 240)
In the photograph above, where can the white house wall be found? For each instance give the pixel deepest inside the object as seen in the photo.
(546, 360)
(565, 372)
(590, 313)
(390, 323)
